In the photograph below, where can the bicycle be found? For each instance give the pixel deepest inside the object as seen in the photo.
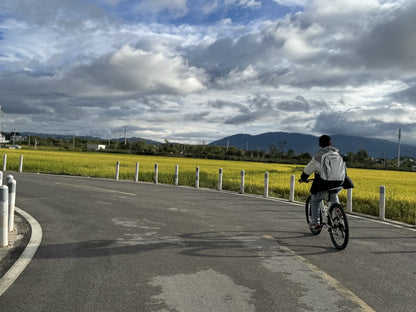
(334, 219)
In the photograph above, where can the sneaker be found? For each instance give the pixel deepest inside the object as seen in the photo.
(315, 227)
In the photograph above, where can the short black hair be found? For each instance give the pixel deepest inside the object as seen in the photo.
(324, 140)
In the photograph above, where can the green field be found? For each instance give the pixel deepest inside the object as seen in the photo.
(400, 186)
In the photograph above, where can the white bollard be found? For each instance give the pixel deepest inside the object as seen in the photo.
(242, 182)
(21, 164)
(9, 178)
(382, 209)
(12, 202)
(4, 208)
(156, 173)
(117, 170)
(136, 174)
(220, 180)
(292, 188)
(176, 177)
(1, 177)
(349, 200)
(266, 184)
(4, 162)
(197, 177)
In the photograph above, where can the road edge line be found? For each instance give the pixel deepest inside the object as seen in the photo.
(17, 268)
(340, 288)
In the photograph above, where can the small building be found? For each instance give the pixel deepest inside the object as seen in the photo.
(95, 147)
(3, 141)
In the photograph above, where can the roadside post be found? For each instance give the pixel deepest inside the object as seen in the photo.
(11, 184)
(266, 184)
(292, 188)
(176, 177)
(242, 182)
(21, 164)
(117, 170)
(156, 173)
(220, 180)
(197, 177)
(4, 207)
(382, 208)
(349, 200)
(4, 162)
(136, 175)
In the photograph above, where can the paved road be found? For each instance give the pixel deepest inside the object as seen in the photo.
(125, 246)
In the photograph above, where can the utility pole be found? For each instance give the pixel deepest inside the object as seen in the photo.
(125, 135)
(1, 115)
(398, 154)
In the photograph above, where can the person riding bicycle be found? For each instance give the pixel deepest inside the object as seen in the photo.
(320, 187)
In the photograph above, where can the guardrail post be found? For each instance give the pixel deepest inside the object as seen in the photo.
(242, 182)
(266, 184)
(136, 174)
(11, 184)
(176, 177)
(4, 207)
(292, 188)
(220, 180)
(382, 210)
(4, 162)
(117, 170)
(197, 177)
(349, 200)
(156, 173)
(21, 163)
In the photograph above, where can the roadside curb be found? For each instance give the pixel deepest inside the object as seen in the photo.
(17, 268)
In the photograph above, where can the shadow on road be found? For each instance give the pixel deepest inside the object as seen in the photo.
(234, 244)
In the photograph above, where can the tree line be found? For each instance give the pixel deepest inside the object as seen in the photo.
(361, 159)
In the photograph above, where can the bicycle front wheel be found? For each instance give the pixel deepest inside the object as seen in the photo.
(339, 231)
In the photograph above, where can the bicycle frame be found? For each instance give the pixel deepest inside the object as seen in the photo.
(333, 217)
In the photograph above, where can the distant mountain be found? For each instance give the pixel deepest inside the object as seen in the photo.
(57, 136)
(303, 143)
(135, 139)
(85, 137)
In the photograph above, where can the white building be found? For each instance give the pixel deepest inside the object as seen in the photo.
(2, 137)
(95, 147)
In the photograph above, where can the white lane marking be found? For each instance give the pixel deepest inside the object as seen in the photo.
(341, 289)
(13, 273)
(391, 223)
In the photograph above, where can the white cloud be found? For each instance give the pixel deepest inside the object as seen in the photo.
(178, 6)
(290, 3)
(243, 3)
(130, 72)
(350, 61)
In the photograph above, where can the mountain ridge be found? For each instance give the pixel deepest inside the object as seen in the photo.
(306, 143)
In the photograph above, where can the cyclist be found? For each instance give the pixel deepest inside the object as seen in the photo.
(319, 186)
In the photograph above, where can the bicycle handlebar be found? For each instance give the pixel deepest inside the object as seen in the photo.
(307, 181)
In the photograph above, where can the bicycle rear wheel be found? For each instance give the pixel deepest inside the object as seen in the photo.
(339, 231)
(308, 212)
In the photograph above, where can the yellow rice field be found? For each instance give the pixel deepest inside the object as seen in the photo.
(400, 186)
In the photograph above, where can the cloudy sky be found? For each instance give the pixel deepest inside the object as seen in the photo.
(194, 71)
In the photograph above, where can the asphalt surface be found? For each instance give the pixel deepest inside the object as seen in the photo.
(125, 246)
